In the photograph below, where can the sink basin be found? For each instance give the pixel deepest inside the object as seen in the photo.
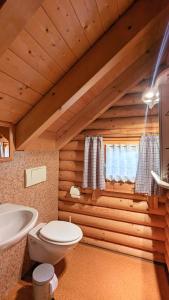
(15, 222)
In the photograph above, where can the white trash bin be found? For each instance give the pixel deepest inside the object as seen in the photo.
(45, 282)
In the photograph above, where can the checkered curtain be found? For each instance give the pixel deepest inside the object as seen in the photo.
(149, 160)
(93, 172)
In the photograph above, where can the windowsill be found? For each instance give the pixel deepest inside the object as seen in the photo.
(118, 192)
(120, 187)
(115, 187)
(119, 182)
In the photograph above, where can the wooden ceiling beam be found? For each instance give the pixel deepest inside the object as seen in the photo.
(130, 77)
(97, 68)
(13, 17)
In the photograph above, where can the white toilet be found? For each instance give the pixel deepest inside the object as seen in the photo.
(49, 243)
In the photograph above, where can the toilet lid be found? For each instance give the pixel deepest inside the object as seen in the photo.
(60, 231)
(43, 273)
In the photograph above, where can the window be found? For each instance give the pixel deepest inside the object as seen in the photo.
(121, 162)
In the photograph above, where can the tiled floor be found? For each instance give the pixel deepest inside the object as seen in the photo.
(89, 273)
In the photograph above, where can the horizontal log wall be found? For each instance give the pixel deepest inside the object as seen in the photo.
(117, 219)
(130, 122)
(115, 214)
(132, 111)
(124, 249)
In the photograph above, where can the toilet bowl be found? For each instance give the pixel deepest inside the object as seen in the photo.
(49, 243)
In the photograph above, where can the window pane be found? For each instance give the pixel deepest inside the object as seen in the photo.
(121, 162)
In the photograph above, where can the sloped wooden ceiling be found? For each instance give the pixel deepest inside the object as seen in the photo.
(13, 17)
(58, 37)
(58, 34)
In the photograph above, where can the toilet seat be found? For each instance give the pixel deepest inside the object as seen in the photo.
(60, 232)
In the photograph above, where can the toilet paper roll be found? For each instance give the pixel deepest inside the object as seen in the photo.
(75, 192)
(53, 284)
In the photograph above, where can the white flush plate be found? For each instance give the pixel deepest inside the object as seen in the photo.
(35, 175)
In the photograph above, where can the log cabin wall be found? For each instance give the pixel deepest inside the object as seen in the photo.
(116, 219)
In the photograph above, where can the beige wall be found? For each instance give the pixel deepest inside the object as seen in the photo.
(43, 197)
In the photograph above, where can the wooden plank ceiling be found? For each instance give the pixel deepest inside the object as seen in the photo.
(13, 17)
(58, 34)
(58, 37)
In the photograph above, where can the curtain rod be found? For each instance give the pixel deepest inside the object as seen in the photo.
(119, 136)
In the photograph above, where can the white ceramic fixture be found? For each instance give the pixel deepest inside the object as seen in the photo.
(160, 182)
(15, 222)
(75, 192)
(49, 243)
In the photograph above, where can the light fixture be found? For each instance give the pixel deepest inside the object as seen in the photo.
(151, 96)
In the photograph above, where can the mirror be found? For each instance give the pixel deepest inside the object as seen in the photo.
(6, 142)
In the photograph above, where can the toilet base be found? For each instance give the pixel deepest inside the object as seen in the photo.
(45, 252)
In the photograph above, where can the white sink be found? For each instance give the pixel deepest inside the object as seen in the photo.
(15, 222)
